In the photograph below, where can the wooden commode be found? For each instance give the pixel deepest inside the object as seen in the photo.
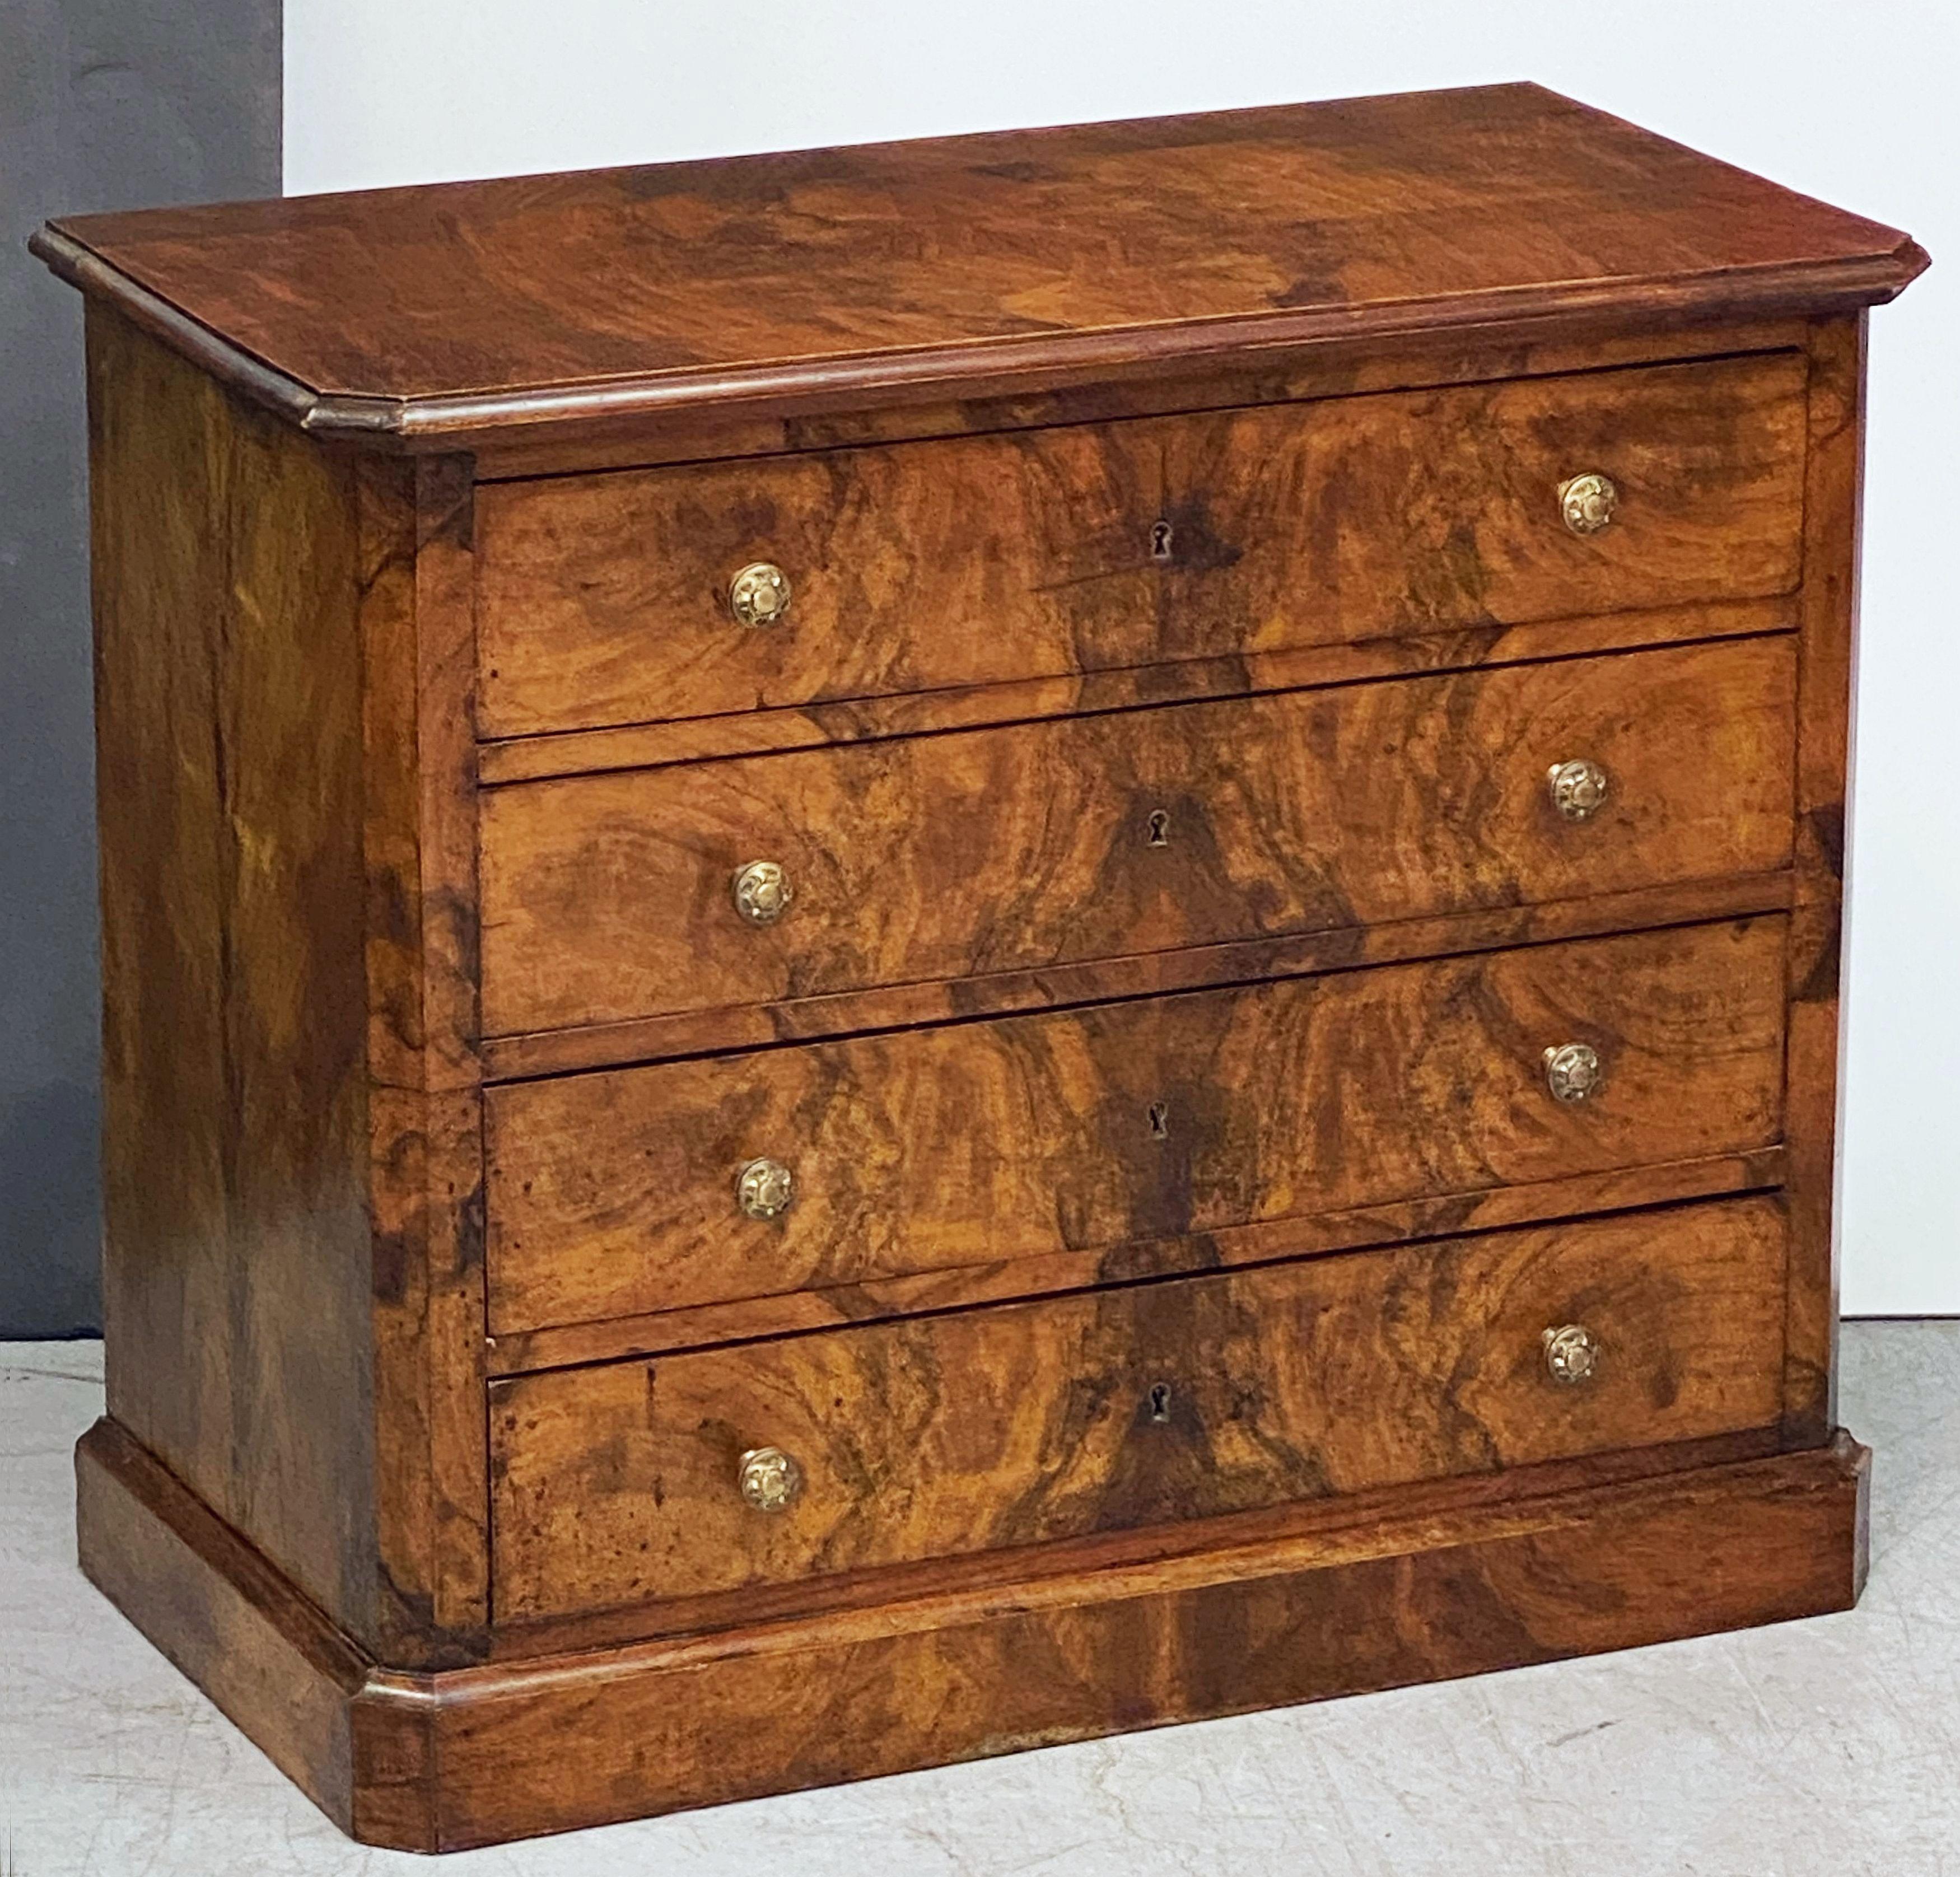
(915, 949)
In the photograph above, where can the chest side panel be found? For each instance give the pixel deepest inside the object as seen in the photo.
(234, 1008)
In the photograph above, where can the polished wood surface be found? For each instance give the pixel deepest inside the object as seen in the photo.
(290, 1111)
(603, 600)
(1408, 1593)
(1137, 687)
(425, 1108)
(222, 1612)
(426, 312)
(1027, 1423)
(1281, 373)
(899, 1006)
(235, 1238)
(1003, 1280)
(1834, 493)
(609, 1196)
(1329, 1598)
(608, 897)
(1158, 746)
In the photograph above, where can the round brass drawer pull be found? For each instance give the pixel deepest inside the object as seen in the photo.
(1586, 502)
(762, 892)
(764, 1188)
(769, 1478)
(1572, 1070)
(1571, 1354)
(1578, 788)
(760, 594)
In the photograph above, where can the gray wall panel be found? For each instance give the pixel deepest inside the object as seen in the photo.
(103, 104)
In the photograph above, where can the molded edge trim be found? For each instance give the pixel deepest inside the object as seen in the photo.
(421, 1761)
(230, 364)
(967, 369)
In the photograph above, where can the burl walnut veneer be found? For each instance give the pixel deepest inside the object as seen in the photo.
(914, 949)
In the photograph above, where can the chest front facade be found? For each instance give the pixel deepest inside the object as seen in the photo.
(796, 1096)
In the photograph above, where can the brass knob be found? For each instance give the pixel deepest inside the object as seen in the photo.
(769, 1478)
(762, 892)
(1578, 788)
(1587, 502)
(1572, 1070)
(1570, 1354)
(760, 594)
(763, 1189)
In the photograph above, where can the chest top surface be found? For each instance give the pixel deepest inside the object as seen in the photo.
(962, 260)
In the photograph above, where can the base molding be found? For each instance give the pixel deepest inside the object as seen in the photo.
(1437, 1581)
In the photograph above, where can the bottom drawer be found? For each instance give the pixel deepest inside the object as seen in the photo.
(1184, 1398)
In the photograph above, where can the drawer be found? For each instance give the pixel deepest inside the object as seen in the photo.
(604, 598)
(1197, 1396)
(611, 1194)
(610, 897)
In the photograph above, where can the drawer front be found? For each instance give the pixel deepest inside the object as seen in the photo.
(1117, 1409)
(609, 897)
(604, 598)
(610, 1194)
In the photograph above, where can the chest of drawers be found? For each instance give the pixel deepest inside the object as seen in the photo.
(918, 949)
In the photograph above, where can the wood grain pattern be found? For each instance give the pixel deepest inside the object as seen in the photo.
(900, 1006)
(1028, 1422)
(221, 1611)
(607, 897)
(1095, 547)
(1326, 1598)
(1122, 1563)
(1156, 1033)
(294, 1286)
(234, 1011)
(418, 652)
(423, 312)
(974, 707)
(1503, 346)
(999, 1280)
(612, 1194)
(1399, 1602)
(1825, 659)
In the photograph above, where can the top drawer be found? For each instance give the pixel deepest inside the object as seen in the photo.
(604, 599)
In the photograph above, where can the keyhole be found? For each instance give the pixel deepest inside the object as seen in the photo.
(1161, 1400)
(1160, 541)
(1159, 1114)
(1159, 828)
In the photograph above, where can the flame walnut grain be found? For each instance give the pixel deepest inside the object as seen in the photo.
(612, 1194)
(1031, 1422)
(990, 559)
(1328, 1598)
(963, 267)
(293, 1290)
(607, 897)
(431, 1483)
(228, 777)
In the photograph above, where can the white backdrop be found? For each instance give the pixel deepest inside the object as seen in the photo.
(1855, 102)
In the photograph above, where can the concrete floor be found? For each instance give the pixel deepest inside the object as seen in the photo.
(1832, 1746)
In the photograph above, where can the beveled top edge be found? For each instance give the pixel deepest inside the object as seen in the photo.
(976, 369)
(1428, 213)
